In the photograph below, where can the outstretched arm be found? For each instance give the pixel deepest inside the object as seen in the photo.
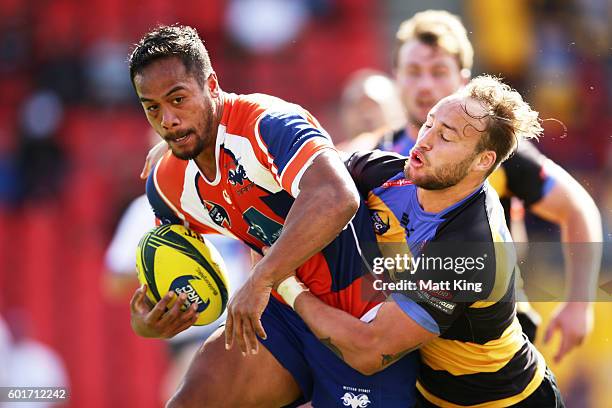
(570, 206)
(368, 347)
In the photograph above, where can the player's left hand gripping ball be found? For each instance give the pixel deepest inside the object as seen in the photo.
(244, 312)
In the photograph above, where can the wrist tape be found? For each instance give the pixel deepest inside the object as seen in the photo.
(290, 288)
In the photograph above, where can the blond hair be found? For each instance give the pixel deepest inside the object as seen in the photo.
(509, 119)
(437, 28)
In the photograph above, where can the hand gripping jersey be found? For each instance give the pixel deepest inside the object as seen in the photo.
(481, 358)
(263, 147)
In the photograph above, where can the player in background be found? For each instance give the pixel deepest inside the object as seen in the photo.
(251, 167)
(433, 59)
(27, 362)
(437, 205)
(369, 102)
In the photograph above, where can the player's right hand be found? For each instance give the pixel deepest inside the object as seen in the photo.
(158, 321)
(153, 157)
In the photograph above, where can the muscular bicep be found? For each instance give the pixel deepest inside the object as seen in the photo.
(327, 172)
(163, 213)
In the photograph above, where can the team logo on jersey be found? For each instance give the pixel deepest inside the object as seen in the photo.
(237, 176)
(217, 214)
(380, 226)
(355, 400)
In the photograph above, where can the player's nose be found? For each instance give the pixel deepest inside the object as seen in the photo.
(169, 119)
(425, 83)
(425, 139)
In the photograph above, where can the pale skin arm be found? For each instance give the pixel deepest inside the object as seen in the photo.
(366, 347)
(571, 207)
(326, 203)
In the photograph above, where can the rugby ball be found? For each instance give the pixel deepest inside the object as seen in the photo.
(175, 258)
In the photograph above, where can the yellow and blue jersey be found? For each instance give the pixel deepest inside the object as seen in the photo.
(480, 357)
(524, 175)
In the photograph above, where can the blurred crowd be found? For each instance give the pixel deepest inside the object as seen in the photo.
(73, 138)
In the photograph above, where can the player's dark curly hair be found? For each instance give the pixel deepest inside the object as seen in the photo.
(172, 41)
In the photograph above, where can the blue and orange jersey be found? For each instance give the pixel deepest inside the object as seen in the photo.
(263, 147)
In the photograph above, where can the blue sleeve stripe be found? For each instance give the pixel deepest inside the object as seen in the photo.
(549, 183)
(416, 313)
(284, 134)
(161, 210)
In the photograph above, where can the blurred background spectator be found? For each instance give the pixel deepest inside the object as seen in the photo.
(28, 362)
(369, 102)
(72, 141)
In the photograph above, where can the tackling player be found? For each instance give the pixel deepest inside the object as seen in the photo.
(437, 205)
(249, 167)
(433, 59)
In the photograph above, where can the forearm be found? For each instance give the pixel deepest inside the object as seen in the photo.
(311, 224)
(327, 202)
(571, 207)
(581, 235)
(348, 337)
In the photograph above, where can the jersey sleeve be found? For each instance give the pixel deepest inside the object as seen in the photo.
(526, 174)
(372, 168)
(466, 271)
(163, 212)
(291, 141)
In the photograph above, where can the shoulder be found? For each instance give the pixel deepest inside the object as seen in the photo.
(169, 172)
(526, 154)
(371, 169)
(471, 221)
(267, 118)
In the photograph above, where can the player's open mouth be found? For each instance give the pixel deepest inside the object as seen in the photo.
(416, 159)
(181, 140)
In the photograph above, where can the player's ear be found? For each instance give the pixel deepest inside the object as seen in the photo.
(465, 74)
(212, 83)
(485, 160)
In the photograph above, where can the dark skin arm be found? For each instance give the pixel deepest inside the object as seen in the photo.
(327, 201)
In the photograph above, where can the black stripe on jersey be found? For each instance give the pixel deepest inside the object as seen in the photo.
(524, 173)
(469, 389)
(384, 165)
(481, 325)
